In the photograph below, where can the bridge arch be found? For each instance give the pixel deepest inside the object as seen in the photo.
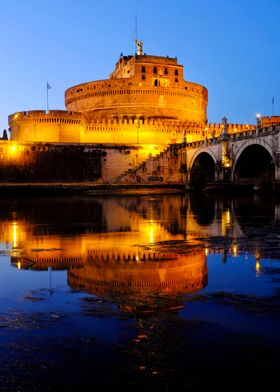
(206, 150)
(202, 168)
(254, 162)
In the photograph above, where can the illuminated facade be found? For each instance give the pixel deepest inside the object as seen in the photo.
(145, 101)
(128, 129)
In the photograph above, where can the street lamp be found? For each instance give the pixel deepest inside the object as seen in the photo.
(258, 119)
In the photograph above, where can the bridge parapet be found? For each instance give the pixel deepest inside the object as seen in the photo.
(265, 131)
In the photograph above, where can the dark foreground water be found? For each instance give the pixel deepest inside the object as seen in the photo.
(150, 293)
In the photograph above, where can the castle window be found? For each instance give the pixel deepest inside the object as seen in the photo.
(176, 80)
(165, 71)
(143, 68)
(155, 70)
(156, 82)
(143, 77)
(176, 72)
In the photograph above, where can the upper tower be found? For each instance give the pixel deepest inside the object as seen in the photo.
(141, 86)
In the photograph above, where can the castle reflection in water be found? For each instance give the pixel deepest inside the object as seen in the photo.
(138, 249)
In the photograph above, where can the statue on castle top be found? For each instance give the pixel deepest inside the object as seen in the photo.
(224, 121)
(139, 45)
(225, 128)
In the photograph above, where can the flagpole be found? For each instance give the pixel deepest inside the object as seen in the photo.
(47, 97)
(272, 106)
(48, 87)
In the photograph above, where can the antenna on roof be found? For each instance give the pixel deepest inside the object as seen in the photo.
(135, 38)
(139, 44)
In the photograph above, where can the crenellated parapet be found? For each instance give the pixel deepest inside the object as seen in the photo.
(58, 126)
(215, 129)
(269, 121)
(46, 126)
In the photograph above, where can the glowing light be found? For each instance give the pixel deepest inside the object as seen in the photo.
(206, 251)
(234, 250)
(227, 216)
(137, 258)
(151, 147)
(15, 116)
(19, 265)
(226, 219)
(151, 233)
(15, 236)
(12, 149)
(258, 266)
(258, 115)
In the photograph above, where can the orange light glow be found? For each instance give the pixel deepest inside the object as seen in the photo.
(13, 150)
(234, 250)
(15, 235)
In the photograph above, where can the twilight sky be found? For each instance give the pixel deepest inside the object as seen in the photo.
(232, 47)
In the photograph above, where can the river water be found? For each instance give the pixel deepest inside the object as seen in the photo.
(152, 292)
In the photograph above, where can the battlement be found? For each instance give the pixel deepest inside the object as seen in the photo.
(268, 121)
(46, 116)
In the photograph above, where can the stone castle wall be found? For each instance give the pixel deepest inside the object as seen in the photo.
(71, 127)
(147, 86)
(268, 121)
(42, 162)
(58, 162)
(56, 126)
(59, 126)
(118, 99)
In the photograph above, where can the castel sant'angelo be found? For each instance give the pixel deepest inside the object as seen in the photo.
(145, 101)
(112, 126)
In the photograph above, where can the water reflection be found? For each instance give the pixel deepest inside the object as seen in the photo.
(107, 247)
(145, 252)
(135, 290)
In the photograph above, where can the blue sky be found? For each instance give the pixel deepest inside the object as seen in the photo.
(232, 47)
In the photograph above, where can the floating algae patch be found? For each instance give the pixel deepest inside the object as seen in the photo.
(36, 295)
(15, 319)
(97, 307)
(248, 303)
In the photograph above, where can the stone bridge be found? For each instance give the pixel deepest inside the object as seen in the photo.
(249, 157)
(241, 158)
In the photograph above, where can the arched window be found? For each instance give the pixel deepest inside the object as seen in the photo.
(156, 82)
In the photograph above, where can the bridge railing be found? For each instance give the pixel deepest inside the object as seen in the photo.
(273, 129)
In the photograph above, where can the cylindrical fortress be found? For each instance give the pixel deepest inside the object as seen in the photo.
(145, 101)
(144, 87)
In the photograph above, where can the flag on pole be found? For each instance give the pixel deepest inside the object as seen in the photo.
(48, 87)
